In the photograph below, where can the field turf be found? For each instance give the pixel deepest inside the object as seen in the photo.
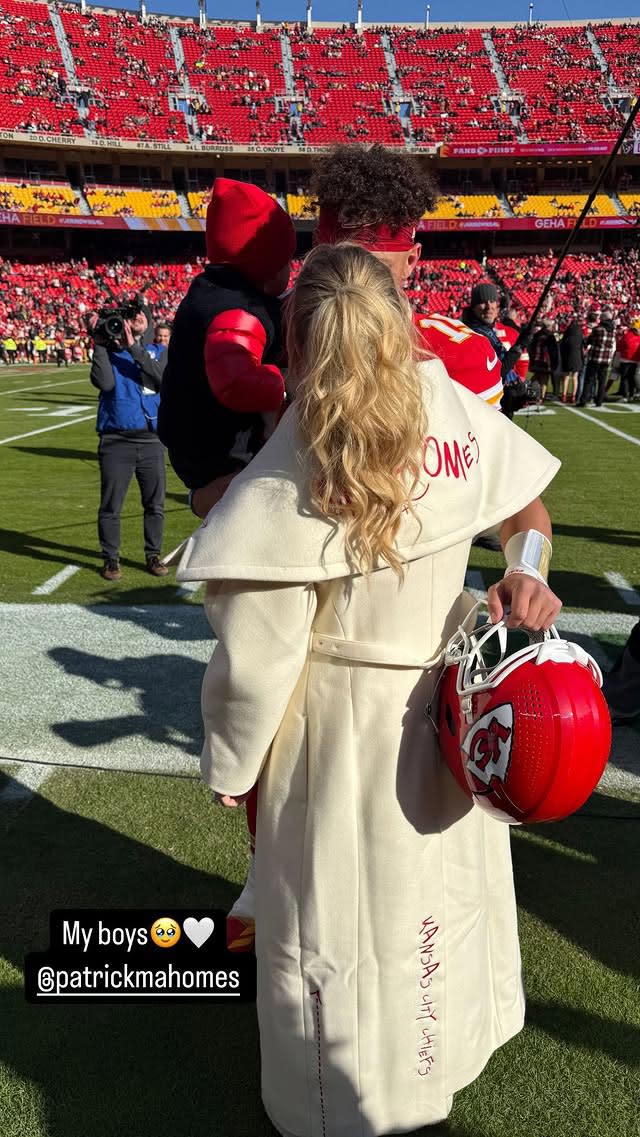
(101, 806)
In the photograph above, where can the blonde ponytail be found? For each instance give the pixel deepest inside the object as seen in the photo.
(352, 359)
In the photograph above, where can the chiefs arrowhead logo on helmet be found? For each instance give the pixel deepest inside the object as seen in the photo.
(529, 737)
(487, 746)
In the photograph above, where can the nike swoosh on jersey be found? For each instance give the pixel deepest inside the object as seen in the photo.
(491, 363)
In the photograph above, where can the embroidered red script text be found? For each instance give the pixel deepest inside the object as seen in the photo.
(426, 1015)
(449, 458)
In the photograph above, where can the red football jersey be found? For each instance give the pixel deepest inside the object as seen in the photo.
(629, 346)
(468, 357)
(508, 337)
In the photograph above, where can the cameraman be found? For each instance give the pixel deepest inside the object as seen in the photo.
(511, 348)
(128, 374)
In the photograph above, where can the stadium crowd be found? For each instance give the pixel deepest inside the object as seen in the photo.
(43, 306)
(128, 80)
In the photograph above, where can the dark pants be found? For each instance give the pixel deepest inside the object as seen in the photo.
(628, 379)
(120, 458)
(595, 378)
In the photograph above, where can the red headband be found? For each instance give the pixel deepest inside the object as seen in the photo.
(379, 238)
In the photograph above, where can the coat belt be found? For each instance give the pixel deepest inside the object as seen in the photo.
(358, 651)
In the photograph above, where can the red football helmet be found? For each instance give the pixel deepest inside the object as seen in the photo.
(528, 738)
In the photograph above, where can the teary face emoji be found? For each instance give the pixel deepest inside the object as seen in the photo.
(165, 932)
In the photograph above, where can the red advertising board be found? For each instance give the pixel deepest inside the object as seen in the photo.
(196, 224)
(535, 224)
(523, 149)
(72, 221)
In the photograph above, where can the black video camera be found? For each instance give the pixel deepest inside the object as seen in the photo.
(109, 329)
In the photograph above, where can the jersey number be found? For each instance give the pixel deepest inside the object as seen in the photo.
(454, 330)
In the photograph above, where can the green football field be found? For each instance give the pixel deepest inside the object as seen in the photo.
(101, 805)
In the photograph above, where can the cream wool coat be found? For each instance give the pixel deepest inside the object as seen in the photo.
(388, 959)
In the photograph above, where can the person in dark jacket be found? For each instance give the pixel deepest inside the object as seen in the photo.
(544, 356)
(222, 378)
(602, 348)
(128, 375)
(510, 346)
(571, 358)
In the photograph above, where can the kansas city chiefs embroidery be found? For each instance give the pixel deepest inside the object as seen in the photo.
(487, 747)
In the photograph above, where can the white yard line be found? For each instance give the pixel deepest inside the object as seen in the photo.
(45, 429)
(596, 623)
(625, 590)
(115, 662)
(604, 425)
(54, 582)
(46, 387)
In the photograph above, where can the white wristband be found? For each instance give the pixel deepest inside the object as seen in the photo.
(525, 571)
(529, 553)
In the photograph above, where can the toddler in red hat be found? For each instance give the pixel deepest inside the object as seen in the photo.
(222, 378)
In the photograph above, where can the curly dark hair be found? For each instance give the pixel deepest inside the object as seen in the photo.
(373, 185)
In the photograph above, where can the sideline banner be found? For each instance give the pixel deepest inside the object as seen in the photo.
(489, 224)
(82, 221)
(197, 224)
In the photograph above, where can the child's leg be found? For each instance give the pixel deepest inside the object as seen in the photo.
(240, 922)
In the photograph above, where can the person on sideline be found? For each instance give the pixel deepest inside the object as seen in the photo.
(602, 348)
(571, 359)
(629, 352)
(128, 374)
(335, 566)
(545, 356)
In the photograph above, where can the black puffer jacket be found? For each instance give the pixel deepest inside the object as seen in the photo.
(198, 431)
(571, 348)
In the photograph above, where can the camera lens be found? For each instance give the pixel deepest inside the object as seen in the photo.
(114, 327)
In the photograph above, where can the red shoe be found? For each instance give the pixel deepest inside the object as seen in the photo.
(241, 934)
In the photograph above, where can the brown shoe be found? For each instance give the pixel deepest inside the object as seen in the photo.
(155, 566)
(111, 570)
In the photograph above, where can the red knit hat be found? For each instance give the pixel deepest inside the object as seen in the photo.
(249, 230)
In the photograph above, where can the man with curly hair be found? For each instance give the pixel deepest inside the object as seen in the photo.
(376, 198)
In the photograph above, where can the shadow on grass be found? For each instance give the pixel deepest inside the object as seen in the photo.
(580, 884)
(604, 535)
(166, 615)
(174, 721)
(39, 547)
(106, 1071)
(577, 1029)
(59, 452)
(578, 589)
(111, 1071)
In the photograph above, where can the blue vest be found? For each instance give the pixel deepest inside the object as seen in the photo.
(127, 407)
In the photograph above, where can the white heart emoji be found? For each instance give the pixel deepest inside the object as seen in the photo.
(198, 931)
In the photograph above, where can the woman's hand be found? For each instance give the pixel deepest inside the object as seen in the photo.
(532, 604)
(231, 802)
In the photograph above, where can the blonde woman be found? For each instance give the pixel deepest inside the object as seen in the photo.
(388, 960)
